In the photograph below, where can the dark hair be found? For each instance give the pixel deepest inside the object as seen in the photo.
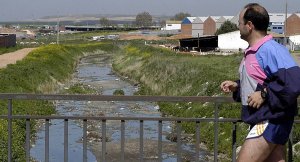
(258, 15)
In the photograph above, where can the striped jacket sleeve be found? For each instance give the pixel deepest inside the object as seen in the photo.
(283, 81)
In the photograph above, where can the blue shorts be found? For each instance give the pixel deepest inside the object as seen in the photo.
(277, 133)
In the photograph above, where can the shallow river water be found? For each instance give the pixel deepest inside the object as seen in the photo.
(96, 72)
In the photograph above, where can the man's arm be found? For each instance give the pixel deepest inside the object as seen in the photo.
(284, 89)
(232, 86)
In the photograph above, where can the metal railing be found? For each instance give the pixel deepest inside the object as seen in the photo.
(216, 120)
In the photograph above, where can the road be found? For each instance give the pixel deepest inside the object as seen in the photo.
(13, 57)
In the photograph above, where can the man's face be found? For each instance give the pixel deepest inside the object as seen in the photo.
(243, 27)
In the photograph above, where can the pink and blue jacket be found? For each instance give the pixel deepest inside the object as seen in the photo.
(268, 65)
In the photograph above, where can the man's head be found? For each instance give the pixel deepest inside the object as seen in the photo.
(253, 17)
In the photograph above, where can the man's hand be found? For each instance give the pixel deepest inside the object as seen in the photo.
(228, 86)
(255, 100)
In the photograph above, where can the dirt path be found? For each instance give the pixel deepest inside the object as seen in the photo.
(13, 57)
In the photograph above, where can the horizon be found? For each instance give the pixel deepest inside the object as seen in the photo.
(36, 9)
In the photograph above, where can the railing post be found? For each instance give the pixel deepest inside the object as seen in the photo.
(27, 143)
(159, 141)
(84, 142)
(122, 140)
(9, 115)
(47, 140)
(178, 126)
(216, 127)
(103, 140)
(197, 140)
(234, 142)
(66, 140)
(141, 140)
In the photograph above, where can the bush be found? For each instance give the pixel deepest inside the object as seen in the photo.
(119, 92)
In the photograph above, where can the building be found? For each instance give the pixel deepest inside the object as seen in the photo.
(221, 21)
(293, 24)
(294, 42)
(235, 19)
(198, 26)
(172, 25)
(276, 24)
(205, 43)
(210, 25)
(202, 26)
(7, 40)
(186, 26)
(231, 42)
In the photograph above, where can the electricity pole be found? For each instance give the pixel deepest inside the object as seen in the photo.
(285, 24)
(57, 34)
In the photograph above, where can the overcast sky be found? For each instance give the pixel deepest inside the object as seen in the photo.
(16, 10)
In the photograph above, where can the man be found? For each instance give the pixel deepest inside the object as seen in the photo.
(268, 89)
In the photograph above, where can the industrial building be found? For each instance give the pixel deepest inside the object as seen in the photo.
(293, 24)
(294, 42)
(205, 26)
(7, 40)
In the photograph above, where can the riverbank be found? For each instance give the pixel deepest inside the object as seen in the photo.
(163, 72)
(39, 72)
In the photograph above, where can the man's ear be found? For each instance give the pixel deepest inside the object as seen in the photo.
(250, 25)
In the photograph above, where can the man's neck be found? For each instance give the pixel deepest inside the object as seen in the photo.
(256, 37)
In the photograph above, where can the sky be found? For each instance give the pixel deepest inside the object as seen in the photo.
(18, 10)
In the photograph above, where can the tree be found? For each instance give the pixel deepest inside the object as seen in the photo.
(104, 22)
(180, 16)
(162, 23)
(143, 19)
(226, 27)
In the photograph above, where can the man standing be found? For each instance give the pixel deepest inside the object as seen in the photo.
(268, 89)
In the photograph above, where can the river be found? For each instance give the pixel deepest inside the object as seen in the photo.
(95, 71)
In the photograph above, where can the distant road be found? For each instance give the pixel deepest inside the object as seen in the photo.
(13, 57)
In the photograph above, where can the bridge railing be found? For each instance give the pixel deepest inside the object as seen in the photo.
(216, 120)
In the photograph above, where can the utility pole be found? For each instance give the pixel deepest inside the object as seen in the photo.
(57, 34)
(285, 25)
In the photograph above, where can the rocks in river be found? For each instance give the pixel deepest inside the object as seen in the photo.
(94, 136)
(184, 137)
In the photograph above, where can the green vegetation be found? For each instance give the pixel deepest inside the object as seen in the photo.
(143, 19)
(227, 27)
(119, 92)
(80, 88)
(10, 49)
(39, 72)
(163, 72)
(180, 16)
(159, 72)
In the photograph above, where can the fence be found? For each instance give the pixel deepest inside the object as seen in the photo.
(159, 120)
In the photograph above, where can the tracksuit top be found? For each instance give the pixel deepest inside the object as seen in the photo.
(268, 65)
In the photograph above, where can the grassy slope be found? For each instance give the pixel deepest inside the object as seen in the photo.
(41, 67)
(163, 72)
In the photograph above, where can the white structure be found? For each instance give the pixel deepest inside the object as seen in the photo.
(294, 42)
(235, 19)
(231, 42)
(197, 26)
(221, 21)
(172, 25)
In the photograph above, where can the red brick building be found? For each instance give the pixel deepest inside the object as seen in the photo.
(293, 24)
